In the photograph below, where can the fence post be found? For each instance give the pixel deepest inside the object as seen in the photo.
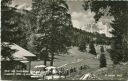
(67, 71)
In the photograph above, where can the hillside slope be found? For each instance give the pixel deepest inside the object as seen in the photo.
(76, 58)
(117, 72)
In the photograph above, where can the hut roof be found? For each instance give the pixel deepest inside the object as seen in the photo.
(20, 52)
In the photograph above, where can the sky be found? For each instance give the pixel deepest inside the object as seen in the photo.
(80, 18)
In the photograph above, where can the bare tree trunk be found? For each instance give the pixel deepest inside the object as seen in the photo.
(45, 62)
(52, 59)
(45, 59)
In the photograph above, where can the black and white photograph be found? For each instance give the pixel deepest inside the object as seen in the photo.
(64, 40)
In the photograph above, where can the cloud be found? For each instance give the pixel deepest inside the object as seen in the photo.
(22, 4)
(77, 14)
(80, 19)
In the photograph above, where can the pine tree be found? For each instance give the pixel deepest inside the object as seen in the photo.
(82, 46)
(119, 10)
(102, 60)
(102, 49)
(7, 21)
(92, 48)
(6, 52)
(16, 24)
(53, 24)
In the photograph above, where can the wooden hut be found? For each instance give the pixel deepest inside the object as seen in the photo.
(22, 58)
